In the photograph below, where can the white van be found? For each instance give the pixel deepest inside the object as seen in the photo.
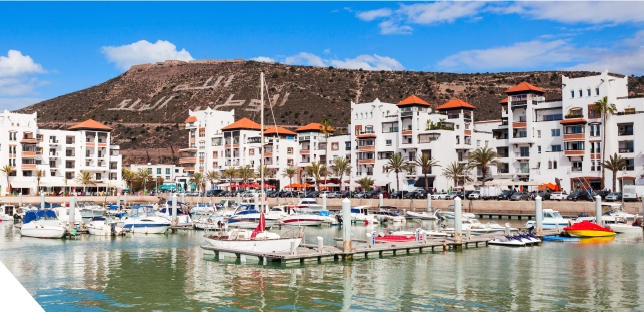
(633, 192)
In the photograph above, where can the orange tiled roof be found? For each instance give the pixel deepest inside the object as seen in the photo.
(504, 101)
(278, 130)
(243, 123)
(413, 100)
(573, 121)
(90, 124)
(191, 119)
(456, 103)
(314, 126)
(524, 86)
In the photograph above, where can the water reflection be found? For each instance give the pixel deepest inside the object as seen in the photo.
(171, 272)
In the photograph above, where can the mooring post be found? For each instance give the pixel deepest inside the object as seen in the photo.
(557, 227)
(118, 200)
(598, 211)
(19, 199)
(507, 229)
(174, 208)
(458, 224)
(538, 205)
(183, 197)
(468, 231)
(380, 201)
(429, 202)
(320, 243)
(238, 198)
(323, 201)
(125, 199)
(42, 200)
(346, 225)
(370, 238)
(256, 202)
(293, 247)
(72, 212)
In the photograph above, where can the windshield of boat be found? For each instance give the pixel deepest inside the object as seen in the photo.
(474, 221)
(557, 214)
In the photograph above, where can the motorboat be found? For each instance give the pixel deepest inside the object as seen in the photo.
(247, 217)
(144, 220)
(42, 224)
(89, 209)
(617, 211)
(258, 240)
(202, 209)
(211, 222)
(62, 213)
(361, 214)
(103, 227)
(507, 240)
(425, 215)
(7, 212)
(477, 227)
(449, 213)
(551, 219)
(528, 238)
(588, 229)
(626, 228)
(427, 233)
(388, 216)
(395, 238)
(183, 217)
(303, 219)
(306, 205)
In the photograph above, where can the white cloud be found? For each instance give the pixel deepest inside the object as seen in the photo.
(17, 103)
(390, 27)
(585, 12)
(263, 59)
(15, 64)
(327, 51)
(143, 51)
(529, 54)
(365, 61)
(369, 16)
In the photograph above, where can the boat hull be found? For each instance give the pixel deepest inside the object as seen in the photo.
(262, 246)
(626, 229)
(42, 231)
(589, 233)
(147, 228)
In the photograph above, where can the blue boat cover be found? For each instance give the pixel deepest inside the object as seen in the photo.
(32, 215)
(179, 210)
(178, 203)
(324, 213)
(48, 205)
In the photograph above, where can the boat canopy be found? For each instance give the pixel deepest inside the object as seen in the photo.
(169, 210)
(48, 205)
(324, 213)
(32, 215)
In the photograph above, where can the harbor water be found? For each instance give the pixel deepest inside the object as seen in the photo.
(172, 273)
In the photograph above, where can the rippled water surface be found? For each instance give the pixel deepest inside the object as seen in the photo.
(171, 273)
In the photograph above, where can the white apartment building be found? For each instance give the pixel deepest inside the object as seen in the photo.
(411, 127)
(61, 154)
(542, 141)
(170, 174)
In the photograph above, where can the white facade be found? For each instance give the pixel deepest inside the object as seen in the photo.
(169, 173)
(61, 154)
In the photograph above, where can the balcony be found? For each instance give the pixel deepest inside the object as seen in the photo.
(576, 169)
(364, 135)
(188, 160)
(503, 170)
(366, 161)
(28, 154)
(53, 142)
(574, 152)
(626, 150)
(367, 148)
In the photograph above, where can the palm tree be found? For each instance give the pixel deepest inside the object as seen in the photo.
(289, 172)
(366, 184)
(614, 164)
(341, 166)
(326, 129)
(8, 170)
(39, 175)
(85, 178)
(144, 174)
(129, 177)
(199, 180)
(425, 162)
(603, 107)
(212, 175)
(397, 164)
(230, 173)
(316, 170)
(268, 173)
(245, 173)
(456, 172)
(482, 158)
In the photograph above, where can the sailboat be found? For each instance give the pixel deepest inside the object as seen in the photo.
(258, 240)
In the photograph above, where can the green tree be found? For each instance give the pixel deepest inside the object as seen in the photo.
(614, 163)
(456, 172)
(212, 176)
(483, 158)
(85, 178)
(229, 173)
(397, 164)
(199, 180)
(144, 174)
(606, 110)
(39, 175)
(8, 170)
(128, 176)
(289, 172)
(425, 162)
(366, 183)
(326, 129)
(316, 170)
(341, 166)
(245, 173)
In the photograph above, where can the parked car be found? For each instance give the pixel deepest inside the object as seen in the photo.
(558, 196)
(359, 195)
(398, 194)
(333, 195)
(603, 194)
(420, 194)
(580, 195)
(520, 196)
(439, 195)
(544, 195)
(453, 195)
(474, 195)
(614, 196)
(505, 195)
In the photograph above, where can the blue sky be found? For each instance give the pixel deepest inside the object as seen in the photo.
(50, 49)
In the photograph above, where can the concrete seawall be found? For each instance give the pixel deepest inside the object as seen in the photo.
(502, 206)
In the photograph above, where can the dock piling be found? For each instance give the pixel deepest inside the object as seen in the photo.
(458, 224)
(256, 203)
(539, 214)
(380, 200)
(598, 211)
(292, 247)
(320, 243)
(346, 225)
(174, 208)
(429, 202)
(19, 199)
(323, 201)
(507, 229)
(72, 209)
(125, 199)
(468, 231)
(370, 238)
(42, 200)
(118, 200)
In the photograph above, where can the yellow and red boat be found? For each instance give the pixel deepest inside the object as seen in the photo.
(588, 229)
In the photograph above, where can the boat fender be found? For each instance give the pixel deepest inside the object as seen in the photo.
(366, 222)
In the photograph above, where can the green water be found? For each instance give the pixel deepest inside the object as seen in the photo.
(171, 273)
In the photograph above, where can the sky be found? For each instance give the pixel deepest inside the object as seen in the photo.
(48, 49)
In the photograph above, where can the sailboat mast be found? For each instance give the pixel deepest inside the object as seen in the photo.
(261, 140)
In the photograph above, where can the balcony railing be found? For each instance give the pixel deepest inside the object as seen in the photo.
(576, 169)
(625, 132)
(630, 168)
(626, 150)
(503, 170)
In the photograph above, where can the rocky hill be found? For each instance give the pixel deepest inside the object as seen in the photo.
(148, 104)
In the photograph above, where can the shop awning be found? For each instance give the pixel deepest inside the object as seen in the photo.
(420, 182)
(22, 184)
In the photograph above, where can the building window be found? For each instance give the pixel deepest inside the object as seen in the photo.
(289, 150)
(556, 148)
(588, 91)
(368, 129)
(592, 165)
(595, 130)
(167, 170)
(581, 93)
(335, 146)
(13, 136)
(478, 142)
(576, 166)
(555, 132)
(538, 133)
(202, 144)
(289, 162)
(554, 164)
(388, 142)
(158, 171)
(596, 91)
(572, 94)
(251, 151)
(525, 151)
(539, 149)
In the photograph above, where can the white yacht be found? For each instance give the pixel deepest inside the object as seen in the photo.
(247, 217)
(257, 240)
(361, 214)
(183, 217)
(477, 227)
(202, 209)
(42, 224)
(89, 209)
(103, 227)
(551, 218)
(7, 212)
(144, 220)
(306, 205)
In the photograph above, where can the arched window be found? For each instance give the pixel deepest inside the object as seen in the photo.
(549, 164)
(554, 164)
